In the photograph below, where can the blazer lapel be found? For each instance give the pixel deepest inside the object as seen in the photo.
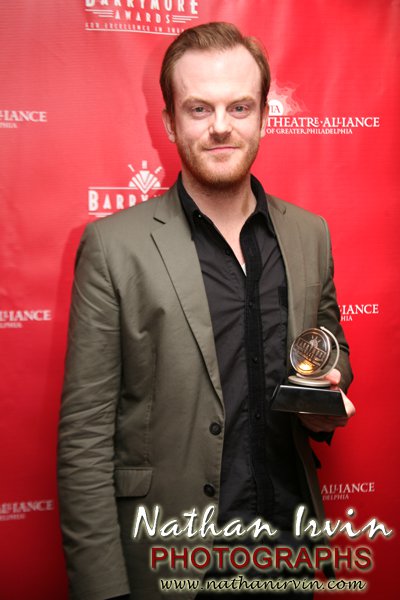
(179, 255)
(289, 241)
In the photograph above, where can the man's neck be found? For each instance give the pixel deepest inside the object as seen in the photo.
(226, 206)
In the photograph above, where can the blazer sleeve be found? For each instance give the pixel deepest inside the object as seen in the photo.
(95, 563)
(329, 313)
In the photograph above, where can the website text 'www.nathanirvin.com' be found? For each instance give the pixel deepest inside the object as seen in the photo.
(240, 584)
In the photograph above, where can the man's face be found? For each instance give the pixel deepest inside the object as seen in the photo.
(217, 123)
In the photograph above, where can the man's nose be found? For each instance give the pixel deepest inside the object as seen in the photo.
(220, 124)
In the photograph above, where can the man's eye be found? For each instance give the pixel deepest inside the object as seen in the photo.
(199, 110)
(240, 110)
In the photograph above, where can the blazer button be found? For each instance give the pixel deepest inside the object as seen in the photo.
(209, 490)
(215, 428)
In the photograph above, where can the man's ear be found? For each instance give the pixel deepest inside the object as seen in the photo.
(264, 117)
(169, 125)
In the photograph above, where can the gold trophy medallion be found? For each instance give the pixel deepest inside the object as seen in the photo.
(313, 354)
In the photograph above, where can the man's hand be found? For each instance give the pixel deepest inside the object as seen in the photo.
(319, 423)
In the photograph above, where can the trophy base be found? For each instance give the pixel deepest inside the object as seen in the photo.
(307, 382)
(310, 400)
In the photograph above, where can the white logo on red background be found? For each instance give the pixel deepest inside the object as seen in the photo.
(12, 118)
(163, 17)
(281, 101)
(17, 318)
(287, 116)
(18, 510)
(144, 184)
(349, 312)
(144, 180)
(343, 490)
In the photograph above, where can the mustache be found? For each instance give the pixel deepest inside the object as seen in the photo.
(221, 141)
(220, 137)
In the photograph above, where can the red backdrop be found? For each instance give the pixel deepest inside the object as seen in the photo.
(81, 137)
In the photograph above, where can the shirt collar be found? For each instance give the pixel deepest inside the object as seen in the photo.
(191, 209)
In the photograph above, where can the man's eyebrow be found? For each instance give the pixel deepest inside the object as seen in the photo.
(198, 100)
(194, 100)
(244, 99)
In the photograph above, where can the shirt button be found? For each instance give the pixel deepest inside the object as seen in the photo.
(255, 359)
(215, 428)
(227, 252)
(209, 490)
(257, 415)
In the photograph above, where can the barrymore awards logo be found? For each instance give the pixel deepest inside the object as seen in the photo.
(350, 311)
(17, 510)
(287, 116)
(162, 17)
(12, 119)
(344, 491)
(144, 184)
(16, 319)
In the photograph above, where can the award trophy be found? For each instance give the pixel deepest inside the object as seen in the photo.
(313, 354)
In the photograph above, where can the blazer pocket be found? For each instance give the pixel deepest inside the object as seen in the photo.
(132, 481)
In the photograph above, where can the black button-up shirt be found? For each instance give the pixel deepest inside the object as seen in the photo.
(248, 307)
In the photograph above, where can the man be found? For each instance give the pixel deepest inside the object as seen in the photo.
(183, 310)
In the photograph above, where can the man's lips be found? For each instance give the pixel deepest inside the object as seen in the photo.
(217, 149)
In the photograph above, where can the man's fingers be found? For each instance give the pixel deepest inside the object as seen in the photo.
(349, 406)
(334, 377)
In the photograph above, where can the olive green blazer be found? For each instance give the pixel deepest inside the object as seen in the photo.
(142, 384)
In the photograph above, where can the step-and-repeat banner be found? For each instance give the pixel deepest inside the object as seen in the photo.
(81, 137)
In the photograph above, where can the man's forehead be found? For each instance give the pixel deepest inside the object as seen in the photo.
(207, 66)
(215, 56)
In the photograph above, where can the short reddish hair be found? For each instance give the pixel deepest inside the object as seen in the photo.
(211, 36)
